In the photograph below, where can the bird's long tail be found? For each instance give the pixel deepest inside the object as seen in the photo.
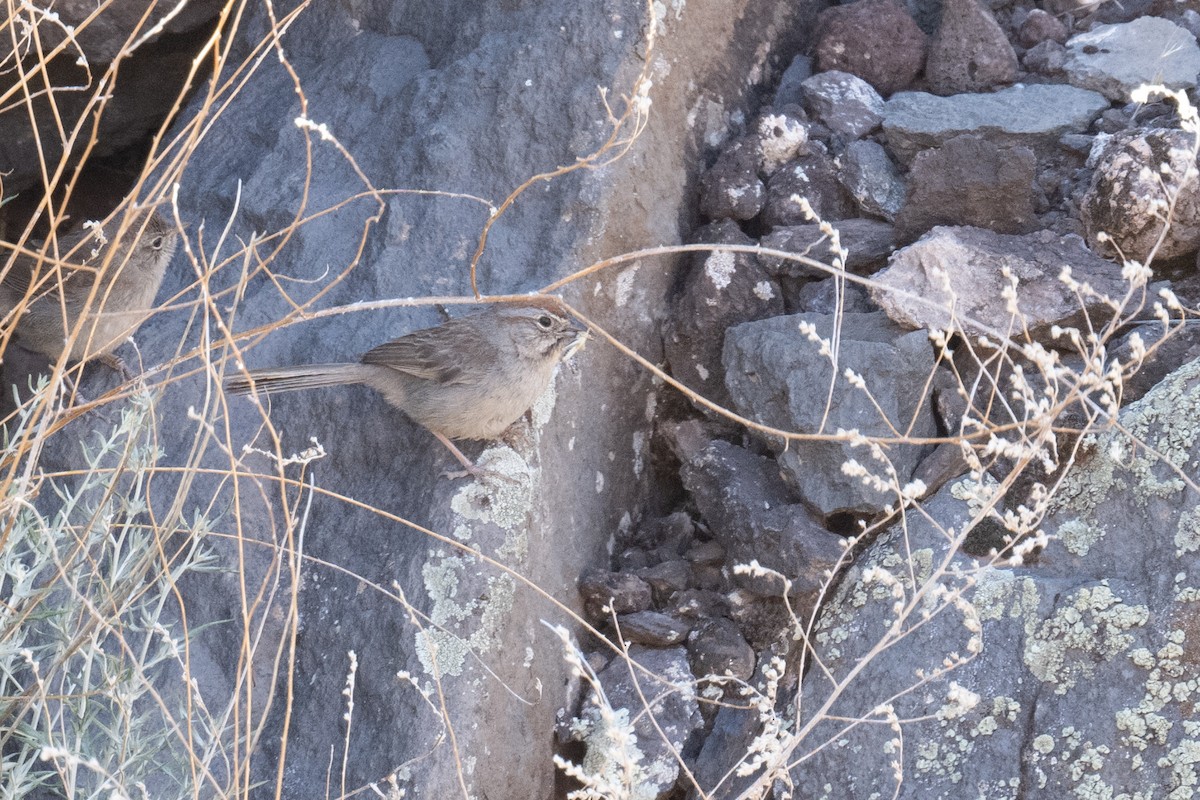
(290, 379)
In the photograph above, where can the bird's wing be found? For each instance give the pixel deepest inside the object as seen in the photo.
(439, 355)
(24, 271)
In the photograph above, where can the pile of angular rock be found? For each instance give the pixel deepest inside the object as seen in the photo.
(953, 157)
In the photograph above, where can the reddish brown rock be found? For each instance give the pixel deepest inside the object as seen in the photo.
(969, 181)
(969, 52)
(1041, 26)
(876, 40)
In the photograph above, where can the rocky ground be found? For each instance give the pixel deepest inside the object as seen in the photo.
(801, 631)
(965, 163)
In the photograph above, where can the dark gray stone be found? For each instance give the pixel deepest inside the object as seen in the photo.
(872, 179)
(721, 288)
(667, 578)
(632, 559)
(695, 604)
(1116, 59)
(653, 628)
(1078, 143)
(731, 187)
(969, 52)
(826, 297)
(789, 91)
(944, 464)
(1045, 58)
(813, 178)
(750, 511)
(969, 181)
(604, 592)
(710, 553)
(717, 647)
(671, 534)
(776, 377)
(912, 290)
(1040, 26)
(868, 242)
(1166, 351)
(1033, 116)
(734, 728)
(844, 103)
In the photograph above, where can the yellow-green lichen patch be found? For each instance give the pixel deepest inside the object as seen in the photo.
(1091, 481)
(1091, 627)
(1182, 760)
(503, 498)
(843, 619)
(998, 789)
(1044, 744)
(962, 726)
(1187, 533)
(937, 760)
(1079, 536)
(999, 592)
(460, 625)
(978, 495)
(1168, 419)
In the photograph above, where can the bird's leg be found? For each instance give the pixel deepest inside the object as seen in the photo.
(468, 467)
(116, 364)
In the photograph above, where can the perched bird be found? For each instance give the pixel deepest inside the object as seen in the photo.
(108, 279)
(468, 378)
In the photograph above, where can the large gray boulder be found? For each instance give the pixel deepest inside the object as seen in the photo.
(777, 376)
(1072, 674)
(414, 573)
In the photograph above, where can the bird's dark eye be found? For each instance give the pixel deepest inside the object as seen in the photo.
(157, 243)
(544, 322)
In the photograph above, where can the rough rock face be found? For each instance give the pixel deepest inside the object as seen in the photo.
(721, 288)
(1034, 116)
(474, 107)
(969, 181)
(750, 510)
(843, 102)
(1116, 59)
(868, 243)
(776, 377)
(148, 77)
(1040, 26)
(657, 523)
(731, 188)
(674, 717)
(1127, 189)
(969, 52)
(965, 269)
(868, 174)
(1079, 666)
(813, 178)
(876, 40)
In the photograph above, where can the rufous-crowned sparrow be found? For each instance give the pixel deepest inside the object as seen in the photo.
(468, 378)
(109, 279)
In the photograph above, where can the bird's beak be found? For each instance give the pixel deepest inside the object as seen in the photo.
(578, 340)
